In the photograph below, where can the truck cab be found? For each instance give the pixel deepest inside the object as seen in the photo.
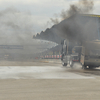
(70, 53)
(87, 54)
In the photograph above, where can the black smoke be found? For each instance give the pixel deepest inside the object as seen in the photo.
(72, 26)
(81, 7)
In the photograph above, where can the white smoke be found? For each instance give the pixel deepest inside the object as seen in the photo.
(15, 25)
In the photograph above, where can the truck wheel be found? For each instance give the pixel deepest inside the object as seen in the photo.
(84, 67)
(71, 64)
(64, 64)
(91, 67)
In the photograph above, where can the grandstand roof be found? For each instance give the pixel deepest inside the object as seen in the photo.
(91, 15)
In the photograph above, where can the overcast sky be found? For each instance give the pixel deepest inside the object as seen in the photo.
(40, 11)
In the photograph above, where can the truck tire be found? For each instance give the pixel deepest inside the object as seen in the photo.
(71, 64)
(84, 67)
(64, 64)
(91, 67)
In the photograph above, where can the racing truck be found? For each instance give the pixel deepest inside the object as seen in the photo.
(87, 53)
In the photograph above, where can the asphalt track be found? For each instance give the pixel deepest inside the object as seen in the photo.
(48, 80)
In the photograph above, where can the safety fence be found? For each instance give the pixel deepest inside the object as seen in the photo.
(51, 57)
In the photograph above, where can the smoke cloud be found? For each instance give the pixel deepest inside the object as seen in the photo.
(75, 25)
(16, 31)
(15, 25)
(81, 7)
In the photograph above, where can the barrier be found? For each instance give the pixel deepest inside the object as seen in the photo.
(51, 57)
(57, 56)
